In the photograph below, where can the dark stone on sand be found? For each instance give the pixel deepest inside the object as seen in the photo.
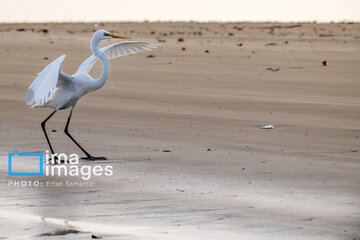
(44, 30)
(166, 151)
(46, 58)
(21, 30)
(150, 56)
(54, 130)
(273, 69)
(95, 237)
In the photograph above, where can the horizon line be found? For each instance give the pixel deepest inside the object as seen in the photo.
(182, 21)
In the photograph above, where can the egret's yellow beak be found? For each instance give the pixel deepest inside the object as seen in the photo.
(118, 36)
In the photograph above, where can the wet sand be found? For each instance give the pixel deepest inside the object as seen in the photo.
(182, 131)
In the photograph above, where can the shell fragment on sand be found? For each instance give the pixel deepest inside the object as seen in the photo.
(268, 127)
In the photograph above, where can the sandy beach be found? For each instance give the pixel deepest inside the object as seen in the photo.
(182, 130)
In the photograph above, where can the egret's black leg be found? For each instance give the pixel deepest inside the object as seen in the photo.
(88, 156)
(43, 128)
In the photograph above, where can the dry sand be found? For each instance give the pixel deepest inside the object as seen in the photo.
(223, 177)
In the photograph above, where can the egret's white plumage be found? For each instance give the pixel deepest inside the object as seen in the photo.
(55, 89)
(46, 82)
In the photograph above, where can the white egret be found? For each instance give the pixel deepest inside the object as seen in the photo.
(55, 89)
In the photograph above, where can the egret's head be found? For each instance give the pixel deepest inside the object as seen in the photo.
(103, 34)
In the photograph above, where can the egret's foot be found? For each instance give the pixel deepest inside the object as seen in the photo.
(91, 158)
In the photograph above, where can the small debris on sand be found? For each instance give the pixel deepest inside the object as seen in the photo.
(326, 35)
(230, 34)
(166, 151)
(207, 51)
(324, 63)
(46, 58)
(239, 44)
(268, 127)
(271, 44)
(20, 29)
(180, 40)
(238, 28)
(54, 130)
(150, 56)
(293, 26)
(273, 69)
(183, 49)
(59, 232)
(271, 27)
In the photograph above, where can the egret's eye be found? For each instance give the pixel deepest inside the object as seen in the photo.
(107, 34)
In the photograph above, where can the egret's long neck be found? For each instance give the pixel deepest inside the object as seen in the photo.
(104, 61)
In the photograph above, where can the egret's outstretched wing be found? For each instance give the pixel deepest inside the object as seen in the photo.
(45, 83)
(118, 50)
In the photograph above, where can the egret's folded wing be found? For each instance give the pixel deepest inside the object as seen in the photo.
(45, 83)
(118, 50)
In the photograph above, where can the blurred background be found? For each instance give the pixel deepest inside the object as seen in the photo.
(185, 10)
